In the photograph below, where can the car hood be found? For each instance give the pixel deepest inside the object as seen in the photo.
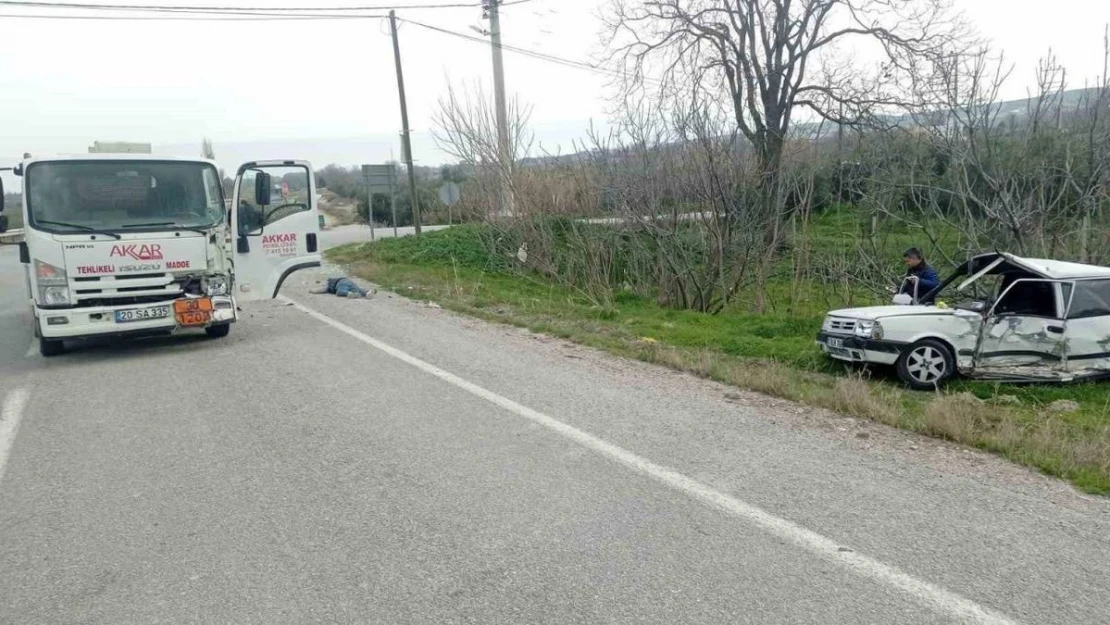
(879, 312)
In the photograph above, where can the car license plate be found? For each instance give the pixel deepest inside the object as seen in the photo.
(142, 314)
(835, 343)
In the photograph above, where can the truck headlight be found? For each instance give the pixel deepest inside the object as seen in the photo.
(47, 274)
(216, 286)
(54, 295)
(52, 283)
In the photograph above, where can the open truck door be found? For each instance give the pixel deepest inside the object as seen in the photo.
(275, 225)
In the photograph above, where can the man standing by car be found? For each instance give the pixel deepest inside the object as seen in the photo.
(921, 279)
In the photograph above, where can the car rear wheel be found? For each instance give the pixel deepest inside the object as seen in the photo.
(926, 365)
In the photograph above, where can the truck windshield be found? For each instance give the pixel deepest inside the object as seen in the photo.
(81, 196)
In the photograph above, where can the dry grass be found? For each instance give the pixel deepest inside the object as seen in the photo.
(856, 396)
(962, 418)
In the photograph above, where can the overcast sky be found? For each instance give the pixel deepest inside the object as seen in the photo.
(66, 83)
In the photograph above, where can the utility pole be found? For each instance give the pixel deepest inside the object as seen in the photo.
(504, 152)
(406, 142)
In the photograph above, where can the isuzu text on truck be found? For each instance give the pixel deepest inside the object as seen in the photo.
(134, 244)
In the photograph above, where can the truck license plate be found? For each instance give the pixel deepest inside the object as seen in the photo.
(835, 343)
(142, 314)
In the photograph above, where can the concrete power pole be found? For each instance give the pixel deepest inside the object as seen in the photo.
(406, 142)
(504, 151)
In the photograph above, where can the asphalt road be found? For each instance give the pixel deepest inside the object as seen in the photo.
(340, 235)
(386, 462)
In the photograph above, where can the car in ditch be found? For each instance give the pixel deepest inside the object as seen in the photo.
(1012, 319)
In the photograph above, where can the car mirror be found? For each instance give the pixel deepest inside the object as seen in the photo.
(902, 299)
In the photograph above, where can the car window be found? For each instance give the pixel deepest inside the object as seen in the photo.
(1029, 297)
(1091, 299)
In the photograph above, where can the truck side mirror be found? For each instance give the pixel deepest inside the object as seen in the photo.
(262, 186)
(5, 226)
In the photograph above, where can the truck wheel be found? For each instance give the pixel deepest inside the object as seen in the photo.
(926, 365)
(218, 332)
(51, 347)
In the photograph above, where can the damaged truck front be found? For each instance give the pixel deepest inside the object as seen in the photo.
(1015, 320)
(131, 244)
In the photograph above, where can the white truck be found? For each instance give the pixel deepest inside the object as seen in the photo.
(136, 244)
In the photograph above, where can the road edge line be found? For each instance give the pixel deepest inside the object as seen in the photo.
(934, 596)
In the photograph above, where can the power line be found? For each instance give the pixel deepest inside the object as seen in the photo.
(227, 9)
(531, 53)
(192, 17)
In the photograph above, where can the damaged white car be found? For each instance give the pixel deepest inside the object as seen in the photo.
(1014, 320)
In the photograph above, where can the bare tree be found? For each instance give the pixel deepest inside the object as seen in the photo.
(772, 57)
(466, 128)
(206, 149)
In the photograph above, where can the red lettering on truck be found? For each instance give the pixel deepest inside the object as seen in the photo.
(152, 251)
(95, 269)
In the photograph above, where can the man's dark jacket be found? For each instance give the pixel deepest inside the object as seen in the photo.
(927, 280)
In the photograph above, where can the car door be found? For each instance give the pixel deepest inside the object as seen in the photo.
(1026, 327)
(275, 225)
(1088, 331)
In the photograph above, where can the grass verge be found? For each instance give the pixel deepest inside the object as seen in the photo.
(770, 354)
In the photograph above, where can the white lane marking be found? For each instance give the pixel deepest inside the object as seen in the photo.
(10, 415)
(934, 596)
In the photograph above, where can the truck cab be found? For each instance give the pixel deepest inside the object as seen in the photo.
(135, 244)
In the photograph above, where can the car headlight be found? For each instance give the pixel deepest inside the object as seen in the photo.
(216, 286)
(869, 329)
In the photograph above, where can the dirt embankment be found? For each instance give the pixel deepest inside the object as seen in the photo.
(337, 211)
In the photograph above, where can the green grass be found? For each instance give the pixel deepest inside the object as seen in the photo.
(772, 353)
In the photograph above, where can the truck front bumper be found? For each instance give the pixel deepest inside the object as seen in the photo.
(74, 323)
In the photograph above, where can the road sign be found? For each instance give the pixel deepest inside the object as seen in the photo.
(380, 177)
(449, 194)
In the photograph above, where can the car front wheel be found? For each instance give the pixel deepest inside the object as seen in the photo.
(926, 365)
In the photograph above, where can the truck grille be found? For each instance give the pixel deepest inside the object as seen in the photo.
(133, 289)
